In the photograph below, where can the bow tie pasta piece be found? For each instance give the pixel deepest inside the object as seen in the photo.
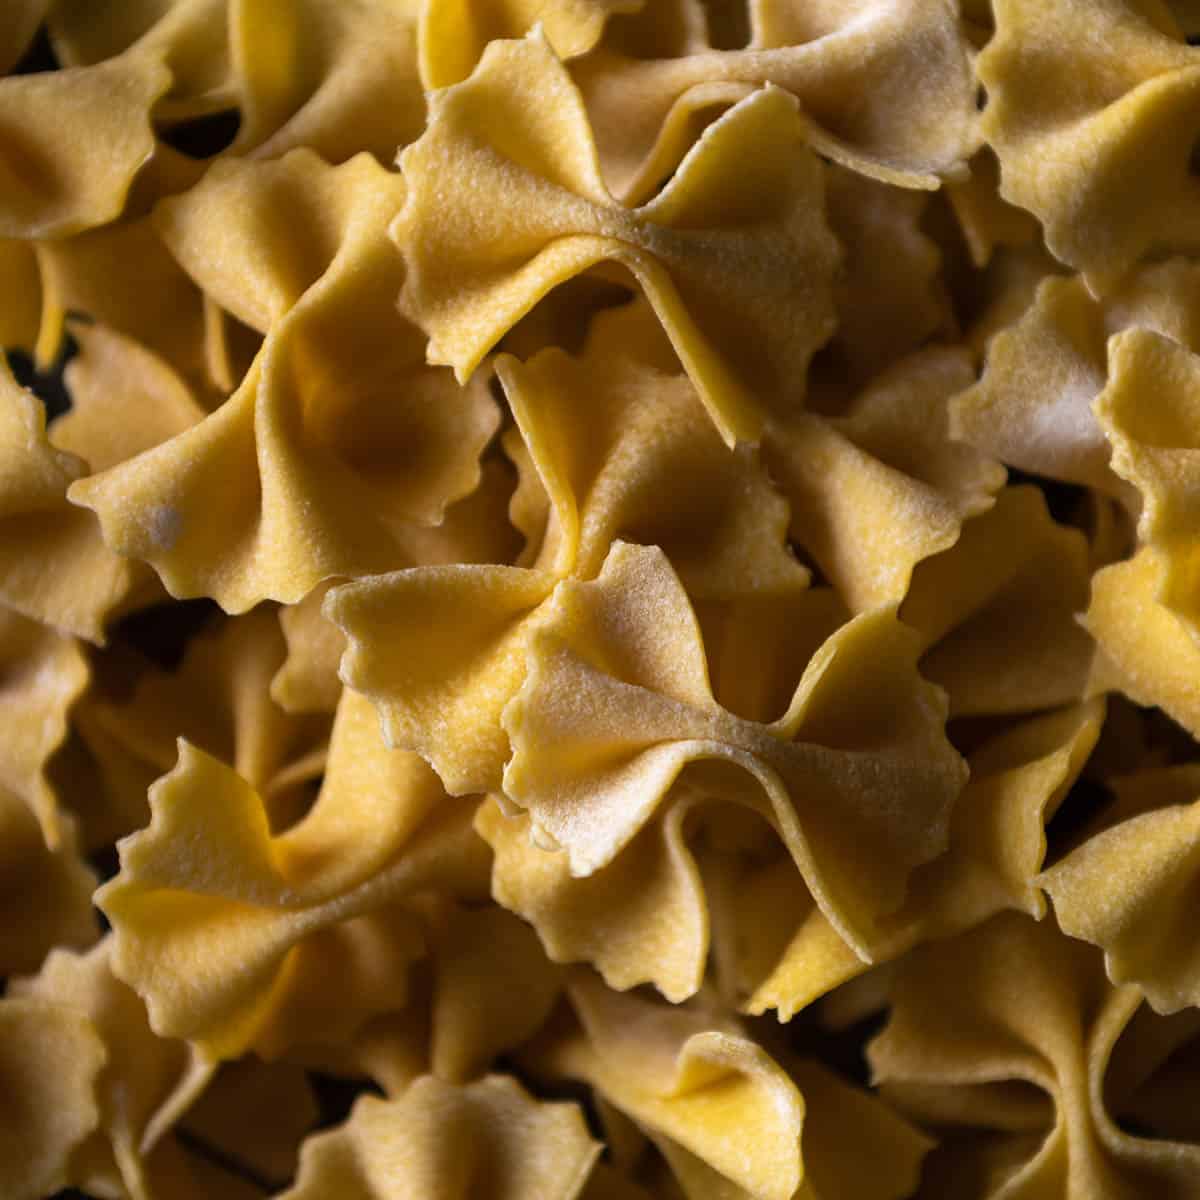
(73, 142)
(733, 255)
(1033, 408)
(208, 884)
(1015, 1000)
(883, 487)
(890, 295)
(107, 274)
(50, 1058)
(147, 1082)
(124, 400)
(42, 674)
(1144, 650)
(1128, 889)
(340, 444)
(610, 447)
(1082, 97)
(997, 846)
(616, 703)
(851, 66)
(721, 1109)
(337, 76)
(1150, 413)
(218, 699)
(454, 33)
(45, 895)
(488, 1140)
(997, 611)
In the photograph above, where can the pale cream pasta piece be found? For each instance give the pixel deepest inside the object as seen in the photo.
(1033, 408)
(518, 125)
(616, 703)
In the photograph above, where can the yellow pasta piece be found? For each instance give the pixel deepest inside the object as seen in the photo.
(50, 1058)
(1015, 1000)
(1081, 97)
(43, 674)
(744, 335)
(106, 274)
(73, 141)
(280, 907)
(997, 846)
(506, 1146)
(218, 699)
(1145, 650)
(146, 1083)
(850, 67)
(1155, 447)
(45, 895)
(1033, 407)
(612, 447)
(337, 397)
(889, 294)
(715, 1102)
(455, 33)
(336, 77)
(997, 611)
(1127, 890)
(616, 703)
(883, 487)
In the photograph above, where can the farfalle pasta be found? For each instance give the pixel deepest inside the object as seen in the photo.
(599, 599)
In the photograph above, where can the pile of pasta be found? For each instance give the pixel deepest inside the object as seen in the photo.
(599, 598)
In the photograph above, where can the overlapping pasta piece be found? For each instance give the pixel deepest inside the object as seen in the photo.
(616, 704)
(726, 1118)
(877, 490)
(150, 1087)
(610, 446)
(218, 699)
(284, 909)
(340, 444)
(50, 1058)
(1033, 406)
(455, 33)
(851, 68)
(1081, 97)
(55, 566)
(488, 1139)
(1127, 888)
(1016, 1002)
(744, 333)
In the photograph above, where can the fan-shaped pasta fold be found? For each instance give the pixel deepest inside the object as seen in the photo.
(1015, 1000)
(745, 335)
(616, 703)
(286, 907)
(1081, 96)
(487, 1139)
(344, 440)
